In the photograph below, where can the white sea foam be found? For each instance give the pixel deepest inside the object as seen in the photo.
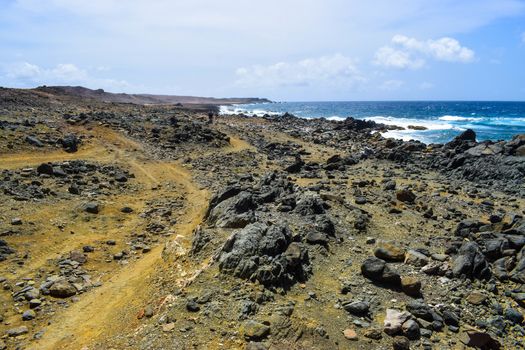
(336, 118)
(406, 122)
(227, 110)
(261, 112)
(411, 134)
(455, 118)
(517, 121)
(405, 135)
(231, 110)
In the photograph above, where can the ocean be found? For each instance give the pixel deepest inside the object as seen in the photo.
(443, 120)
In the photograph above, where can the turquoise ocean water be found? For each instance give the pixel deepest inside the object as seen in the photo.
(443, 120)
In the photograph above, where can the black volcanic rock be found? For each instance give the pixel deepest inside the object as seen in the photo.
(378, 270)
(5, 250)
(45, 168)
(34, 141)
(471, 262)
(263, 253)
(358, 124)
(467, 135)
(70, 143)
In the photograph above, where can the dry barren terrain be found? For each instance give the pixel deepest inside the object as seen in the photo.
(158, 227)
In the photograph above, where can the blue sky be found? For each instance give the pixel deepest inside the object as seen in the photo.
(283, 50)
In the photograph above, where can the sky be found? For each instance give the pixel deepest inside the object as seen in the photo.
(286, 50)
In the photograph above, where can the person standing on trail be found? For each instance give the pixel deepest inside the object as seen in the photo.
(210, 117)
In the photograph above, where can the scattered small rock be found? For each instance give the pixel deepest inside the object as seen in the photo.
(411, 286)
(350, 334)
(28, 315)
(389, 252)
(476, 298)
(394, 321)
(62, 289)
(16, 221)
(15, 332)
(92, 208)
(401, 343)
(405, 195)
(192, 306)
(254, 330)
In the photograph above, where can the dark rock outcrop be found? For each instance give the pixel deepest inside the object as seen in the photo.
(70, 143)
(471, 262)
(234, 212)
(264, 253)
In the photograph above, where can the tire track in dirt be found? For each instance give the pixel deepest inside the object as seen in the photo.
(111, 309)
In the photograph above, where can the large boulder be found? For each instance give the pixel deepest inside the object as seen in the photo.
(310, 203)
(502, 266)
(516, 146)
(470, 262)
(264, 253)
(70, 143)
(518, 274)
(493, 248)
(227, 193)
(484, 149)
(234, 212)
(467, 135)
(467, 227)
(200, 239)
(62, 289)
(358, 124)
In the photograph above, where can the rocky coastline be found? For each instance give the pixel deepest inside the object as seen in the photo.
(153, 227)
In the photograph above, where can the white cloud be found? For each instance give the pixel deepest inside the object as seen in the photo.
(444, 49)
(188, 43)
(334, 70)
(411, 53)
(390, 57)
(27, 75)
(392, 85)
(23, 70)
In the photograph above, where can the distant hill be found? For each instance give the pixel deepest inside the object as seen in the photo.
(142, 99)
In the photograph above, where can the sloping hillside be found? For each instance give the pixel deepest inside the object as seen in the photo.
(101, 95)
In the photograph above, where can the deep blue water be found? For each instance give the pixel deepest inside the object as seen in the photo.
(444, 120)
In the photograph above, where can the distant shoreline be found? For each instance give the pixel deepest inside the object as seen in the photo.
(141, 99)
(426, 121)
